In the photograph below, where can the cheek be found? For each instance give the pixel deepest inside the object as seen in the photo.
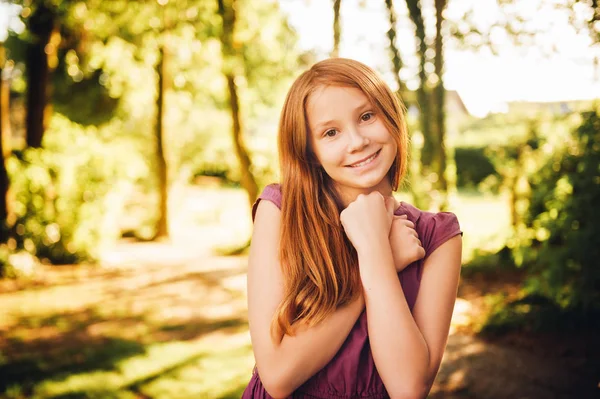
(331, 154)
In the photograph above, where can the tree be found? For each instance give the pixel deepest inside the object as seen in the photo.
(42, 25)
(4, 115)
(431, 102)
(396, 58)
(439, 96)
(231, 67)
(162, 227)
(336, 28)
(156, 32)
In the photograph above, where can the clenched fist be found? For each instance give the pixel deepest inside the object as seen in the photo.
(367, 220)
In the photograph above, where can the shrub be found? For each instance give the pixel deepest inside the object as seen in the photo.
(472, 166)
(562, 221)
(59, 204)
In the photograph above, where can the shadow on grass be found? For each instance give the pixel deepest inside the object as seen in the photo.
(67, 348)
(211, 278)
(95, 354)
(199, 326)
(73, 348)
(123, 320)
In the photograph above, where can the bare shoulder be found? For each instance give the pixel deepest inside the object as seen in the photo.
(265, 277)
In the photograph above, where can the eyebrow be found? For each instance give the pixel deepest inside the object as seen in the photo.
(328, 122)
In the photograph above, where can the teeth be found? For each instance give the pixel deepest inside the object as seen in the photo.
(363, 163)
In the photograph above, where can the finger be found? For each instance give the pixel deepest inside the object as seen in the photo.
(400, 216)
(410, 224)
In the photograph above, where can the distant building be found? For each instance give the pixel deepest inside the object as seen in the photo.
(533, 108)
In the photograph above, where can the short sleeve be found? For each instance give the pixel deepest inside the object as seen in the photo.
(272, 193)
(436, 229)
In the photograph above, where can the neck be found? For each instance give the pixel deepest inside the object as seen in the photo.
(349, 194)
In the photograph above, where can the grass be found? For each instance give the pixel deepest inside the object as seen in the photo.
(159, 320)
(161, 327)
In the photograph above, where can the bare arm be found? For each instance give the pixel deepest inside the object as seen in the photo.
(397, 339)
(286, 362)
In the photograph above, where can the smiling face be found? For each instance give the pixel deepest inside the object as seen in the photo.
(350, 140)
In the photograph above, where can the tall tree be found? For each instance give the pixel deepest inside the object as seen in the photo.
(41, 24)
(153, 26)
(231, 66)
(391, 34)
(439, 96)
(336, 28)
(423, 95)
(4, 115)
(162, 228)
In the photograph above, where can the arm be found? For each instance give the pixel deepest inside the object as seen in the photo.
(397, 339)
(286, 362)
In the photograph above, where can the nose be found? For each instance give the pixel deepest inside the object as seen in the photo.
(357, 140)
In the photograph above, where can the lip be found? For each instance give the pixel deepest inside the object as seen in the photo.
(364, 159)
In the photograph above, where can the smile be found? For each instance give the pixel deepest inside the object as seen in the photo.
(365, 162)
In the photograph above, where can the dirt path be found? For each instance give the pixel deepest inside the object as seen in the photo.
(184, 286)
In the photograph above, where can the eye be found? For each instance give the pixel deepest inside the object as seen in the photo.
(330, 133)
(367, 116)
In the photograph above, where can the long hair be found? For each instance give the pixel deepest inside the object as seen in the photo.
(319, 263)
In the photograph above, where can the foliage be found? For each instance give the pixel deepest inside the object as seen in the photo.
(534, 313)
(78, 89)
(560, 239)
(472, 166)
(61, 208)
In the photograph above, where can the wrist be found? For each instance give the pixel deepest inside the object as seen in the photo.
(374, 247)
(373, 242)
(375, 263)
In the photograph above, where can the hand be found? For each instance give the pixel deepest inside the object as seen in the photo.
(368, 220)
(405, 243)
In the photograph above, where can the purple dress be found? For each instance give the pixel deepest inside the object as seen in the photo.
(352, 372)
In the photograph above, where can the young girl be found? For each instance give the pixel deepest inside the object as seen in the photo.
(350, 293)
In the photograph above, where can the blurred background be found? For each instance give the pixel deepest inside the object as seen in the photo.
(135, 135)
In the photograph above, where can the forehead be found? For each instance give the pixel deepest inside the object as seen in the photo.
(333, 102)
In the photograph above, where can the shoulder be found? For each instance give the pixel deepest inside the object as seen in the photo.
(433, 228)
(272, 193)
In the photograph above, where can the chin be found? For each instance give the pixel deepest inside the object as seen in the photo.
(363, 182)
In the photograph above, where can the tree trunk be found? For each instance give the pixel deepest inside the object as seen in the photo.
(5, 128)
(4, 115)
(391, 33)
(423, 96)
(40, 25)
(336, 28)
(439, 166)
(162, 229)
(230, 57)
(248, 181)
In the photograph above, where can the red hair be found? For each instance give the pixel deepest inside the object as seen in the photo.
(319, 264)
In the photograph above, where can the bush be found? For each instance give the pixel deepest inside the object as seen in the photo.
(561, 239)
(472, 166)
(59, 195)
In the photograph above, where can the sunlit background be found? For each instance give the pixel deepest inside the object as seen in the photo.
(135, 136)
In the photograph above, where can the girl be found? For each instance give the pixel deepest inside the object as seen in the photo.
(350, 293)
